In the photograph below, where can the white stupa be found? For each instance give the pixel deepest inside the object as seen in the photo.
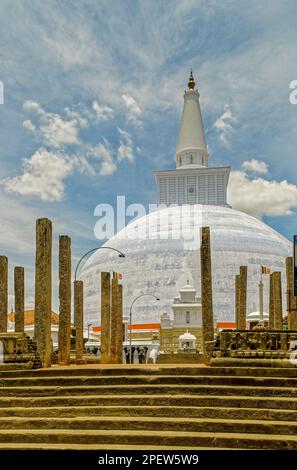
(160, 254)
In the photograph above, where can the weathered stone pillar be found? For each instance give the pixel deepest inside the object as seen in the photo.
(120, 329)
(65, 300)
(206, 295)
(105, 318)
(114, 321)
(19, 299)
(43, 290)
(79, 320)
(291, 298)
(271, 304)
(3, 293)
(277, 301)
(242, 297)
(237, 296)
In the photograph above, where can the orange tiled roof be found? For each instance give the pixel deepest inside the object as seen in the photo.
(29, 317)
(223, 324)
(96, 328)
(139, 326)
(145, 326)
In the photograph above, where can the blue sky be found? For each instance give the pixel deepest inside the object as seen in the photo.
(93, 98)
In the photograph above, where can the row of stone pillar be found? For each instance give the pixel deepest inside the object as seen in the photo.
(275, 299)
(112, 302)
(112, 327)
(43, 294)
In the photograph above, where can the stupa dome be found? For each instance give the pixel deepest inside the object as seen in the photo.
(162, 266)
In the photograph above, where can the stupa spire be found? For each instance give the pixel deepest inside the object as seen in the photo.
(191, 147)
(191, 82)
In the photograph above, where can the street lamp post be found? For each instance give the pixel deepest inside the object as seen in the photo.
(89, 325)
(121, 255)
(130, 318)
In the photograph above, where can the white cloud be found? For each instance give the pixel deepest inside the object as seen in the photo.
(224, 125)
(43, 175)
(261, 197)
(102, 112)
(133, 110)
(53, 130)
(125, 150)
(104, 153)
(33, 106)
(83, 121)
(28, 124)
(58, 132)
(256, 166)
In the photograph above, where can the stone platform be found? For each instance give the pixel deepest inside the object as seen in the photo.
(180, 358)
(149, 407)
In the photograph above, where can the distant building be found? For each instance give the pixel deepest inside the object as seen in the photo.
(29, 317)
(187, 318)
(253, 319)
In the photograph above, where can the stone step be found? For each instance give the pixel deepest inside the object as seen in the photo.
(146, 379)
(149, 438)
(153, 370)
(83, 447)
(151, 411)
(153, 424)
(273, 402)
(164, 389)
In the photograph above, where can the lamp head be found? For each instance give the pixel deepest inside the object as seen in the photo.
(121, 255)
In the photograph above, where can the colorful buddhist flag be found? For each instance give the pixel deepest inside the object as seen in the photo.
(265, 270)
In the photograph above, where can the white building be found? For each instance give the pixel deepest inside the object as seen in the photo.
(186, 310)
(160, 253)
(187, 320)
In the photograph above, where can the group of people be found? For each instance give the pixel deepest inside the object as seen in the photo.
(138, 355)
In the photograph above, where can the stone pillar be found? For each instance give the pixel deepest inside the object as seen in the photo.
(237, 295)
(291, 298)
(65, 300)
(271, 305)
(120, 329)
(79, 320)
(105, 318)
(277, 301)
(114, 320)
(206, 295)
(19, 299)
(3, 293)
(242, 298)
(43, 290)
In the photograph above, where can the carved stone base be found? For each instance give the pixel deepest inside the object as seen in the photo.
(18, 349)
(252, 344)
